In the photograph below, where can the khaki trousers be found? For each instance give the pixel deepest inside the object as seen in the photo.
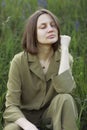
(60, 115)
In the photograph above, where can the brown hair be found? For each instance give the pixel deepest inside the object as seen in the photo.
(29, 41)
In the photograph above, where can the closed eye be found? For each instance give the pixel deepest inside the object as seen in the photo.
(42, 26)
(53, 24)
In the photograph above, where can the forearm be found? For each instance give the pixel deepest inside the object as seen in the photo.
(64, 82)
(25, 124)
(64, 62)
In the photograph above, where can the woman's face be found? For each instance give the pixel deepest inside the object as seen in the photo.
(47, 32)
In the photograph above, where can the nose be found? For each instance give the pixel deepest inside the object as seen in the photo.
(50, 28)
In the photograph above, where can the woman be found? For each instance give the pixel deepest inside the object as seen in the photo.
(40, 79)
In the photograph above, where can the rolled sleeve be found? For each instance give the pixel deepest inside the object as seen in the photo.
(12, 113)
(64, 83)
(13, 102)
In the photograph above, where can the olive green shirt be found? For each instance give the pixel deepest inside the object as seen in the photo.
(29, 88)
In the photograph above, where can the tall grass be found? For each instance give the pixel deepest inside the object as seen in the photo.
(73, 21)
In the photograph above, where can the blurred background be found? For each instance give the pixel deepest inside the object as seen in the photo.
(72, 15)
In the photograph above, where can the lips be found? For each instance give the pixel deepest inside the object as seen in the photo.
(51, 36)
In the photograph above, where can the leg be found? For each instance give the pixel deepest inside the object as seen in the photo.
(69, 114)
(62, 112)
(12, 126)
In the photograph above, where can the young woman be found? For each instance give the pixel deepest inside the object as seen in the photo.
(40, 80)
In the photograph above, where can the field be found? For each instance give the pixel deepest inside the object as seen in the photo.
(72, 15)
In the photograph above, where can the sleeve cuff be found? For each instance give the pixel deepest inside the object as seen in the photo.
(12, 114)
(63, 83)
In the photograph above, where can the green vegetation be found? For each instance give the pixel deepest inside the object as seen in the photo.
(72, 16)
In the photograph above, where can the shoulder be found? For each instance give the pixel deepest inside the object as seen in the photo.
(19, 62)
(19, 58)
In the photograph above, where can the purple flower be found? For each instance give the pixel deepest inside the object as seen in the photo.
(42, 3)
(77, 24)
(3, 4)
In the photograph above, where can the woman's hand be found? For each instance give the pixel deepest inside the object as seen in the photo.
(25, 124)
(31, 127)
(65, 41)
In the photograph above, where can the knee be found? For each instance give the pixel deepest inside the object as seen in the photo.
(12, 126)
(64, 97)
(68, 102)
(67, 97)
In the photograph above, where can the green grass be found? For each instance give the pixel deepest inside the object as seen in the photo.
(73, 21)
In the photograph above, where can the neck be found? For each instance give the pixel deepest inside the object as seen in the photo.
(45, 52)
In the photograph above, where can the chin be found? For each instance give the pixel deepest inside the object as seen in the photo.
(49, 42)
(53, 41)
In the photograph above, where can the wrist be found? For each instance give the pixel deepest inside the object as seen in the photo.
(63, 49)
(23, 123)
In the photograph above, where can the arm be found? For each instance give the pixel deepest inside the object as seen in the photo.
(13, 112)
(64, 81)
(13, 96)
(25, 124)
(64, 62)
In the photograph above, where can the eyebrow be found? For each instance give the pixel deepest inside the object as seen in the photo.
(43, 23)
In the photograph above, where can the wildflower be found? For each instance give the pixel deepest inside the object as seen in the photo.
(42, 3)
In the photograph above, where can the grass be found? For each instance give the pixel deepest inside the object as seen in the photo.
(73, 21)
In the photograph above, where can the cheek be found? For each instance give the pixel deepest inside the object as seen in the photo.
(57, 34)
(40, 35)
